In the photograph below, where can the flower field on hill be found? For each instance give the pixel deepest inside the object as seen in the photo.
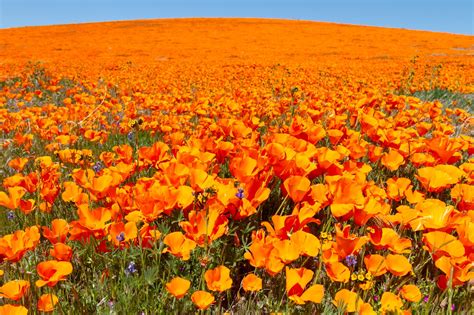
(236, 166)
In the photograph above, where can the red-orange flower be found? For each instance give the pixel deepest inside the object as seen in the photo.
(178, 287)
(47, 302)
(14, 289)
(202, 299)
(61, 252)
(9, 309)
(218, 279)
(52, 271)
(296, 281)
(179, 245)
(251, 283)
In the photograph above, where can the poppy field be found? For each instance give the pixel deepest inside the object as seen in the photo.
(236, 166)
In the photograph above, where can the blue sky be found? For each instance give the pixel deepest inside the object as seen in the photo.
(453, 16)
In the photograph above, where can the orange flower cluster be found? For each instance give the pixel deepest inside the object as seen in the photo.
(316, 163)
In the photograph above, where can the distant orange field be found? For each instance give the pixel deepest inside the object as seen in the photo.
(138, 48)
(236, 166)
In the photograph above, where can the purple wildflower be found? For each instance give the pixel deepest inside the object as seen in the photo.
(351, 260)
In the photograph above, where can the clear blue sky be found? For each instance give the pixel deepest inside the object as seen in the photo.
(453, 16)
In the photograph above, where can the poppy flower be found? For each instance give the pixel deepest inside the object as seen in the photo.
(205, 226)
(296, 282)
(18, 164)
(14, 246)
(297, 187)
(347, 300)
(9, 309)
(391, 303)
(392, 160)
(47, 302)
(251, 283)
(442, 243)
(178, 287)
(410, 292)
(396, 188)
(347, 243)
(179, 245)
(12, 199)
(461, 272)
(15, 289)
(306, 243)
(61, 252)
(440, 177)
(218, 279)
(398, 265)
(202, 299)
(375, 264)
(52, 271)
(120, 232)
(389, 239)
(463, 195)
(58, 232)
(259, 251)
(337, 271)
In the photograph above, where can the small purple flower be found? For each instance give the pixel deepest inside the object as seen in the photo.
(11, 215)
(351, 260)
(376, 298)
(240, 193)
(453, 307)
(98, 166)
(120, 237)
(130, 136)
(426, 298)
(131, 268)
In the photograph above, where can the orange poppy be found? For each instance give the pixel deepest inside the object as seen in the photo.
(61, 252)
(388, 238)
(337, 271)
(202, 299)
(392, 160)
(375, 264)
(396, 188)
(346, 194)
(179, 245)
(14, 246)
(9, 309)
(296, 282)
(251, 283)
(440, 177)
(13, 198)
(347, 301)
(58, 232)
(346, 243)
(442, 243)
(391, 303)
(410, 292)
(178, 287)
(218, 279)
(398, 265)
(15, 289)
(205, 226)
(461, 272)
(296, 187)
(463, 196)
(47, 302)
(259, 251)
(52, 271)
(120, 232)
(18, 164)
